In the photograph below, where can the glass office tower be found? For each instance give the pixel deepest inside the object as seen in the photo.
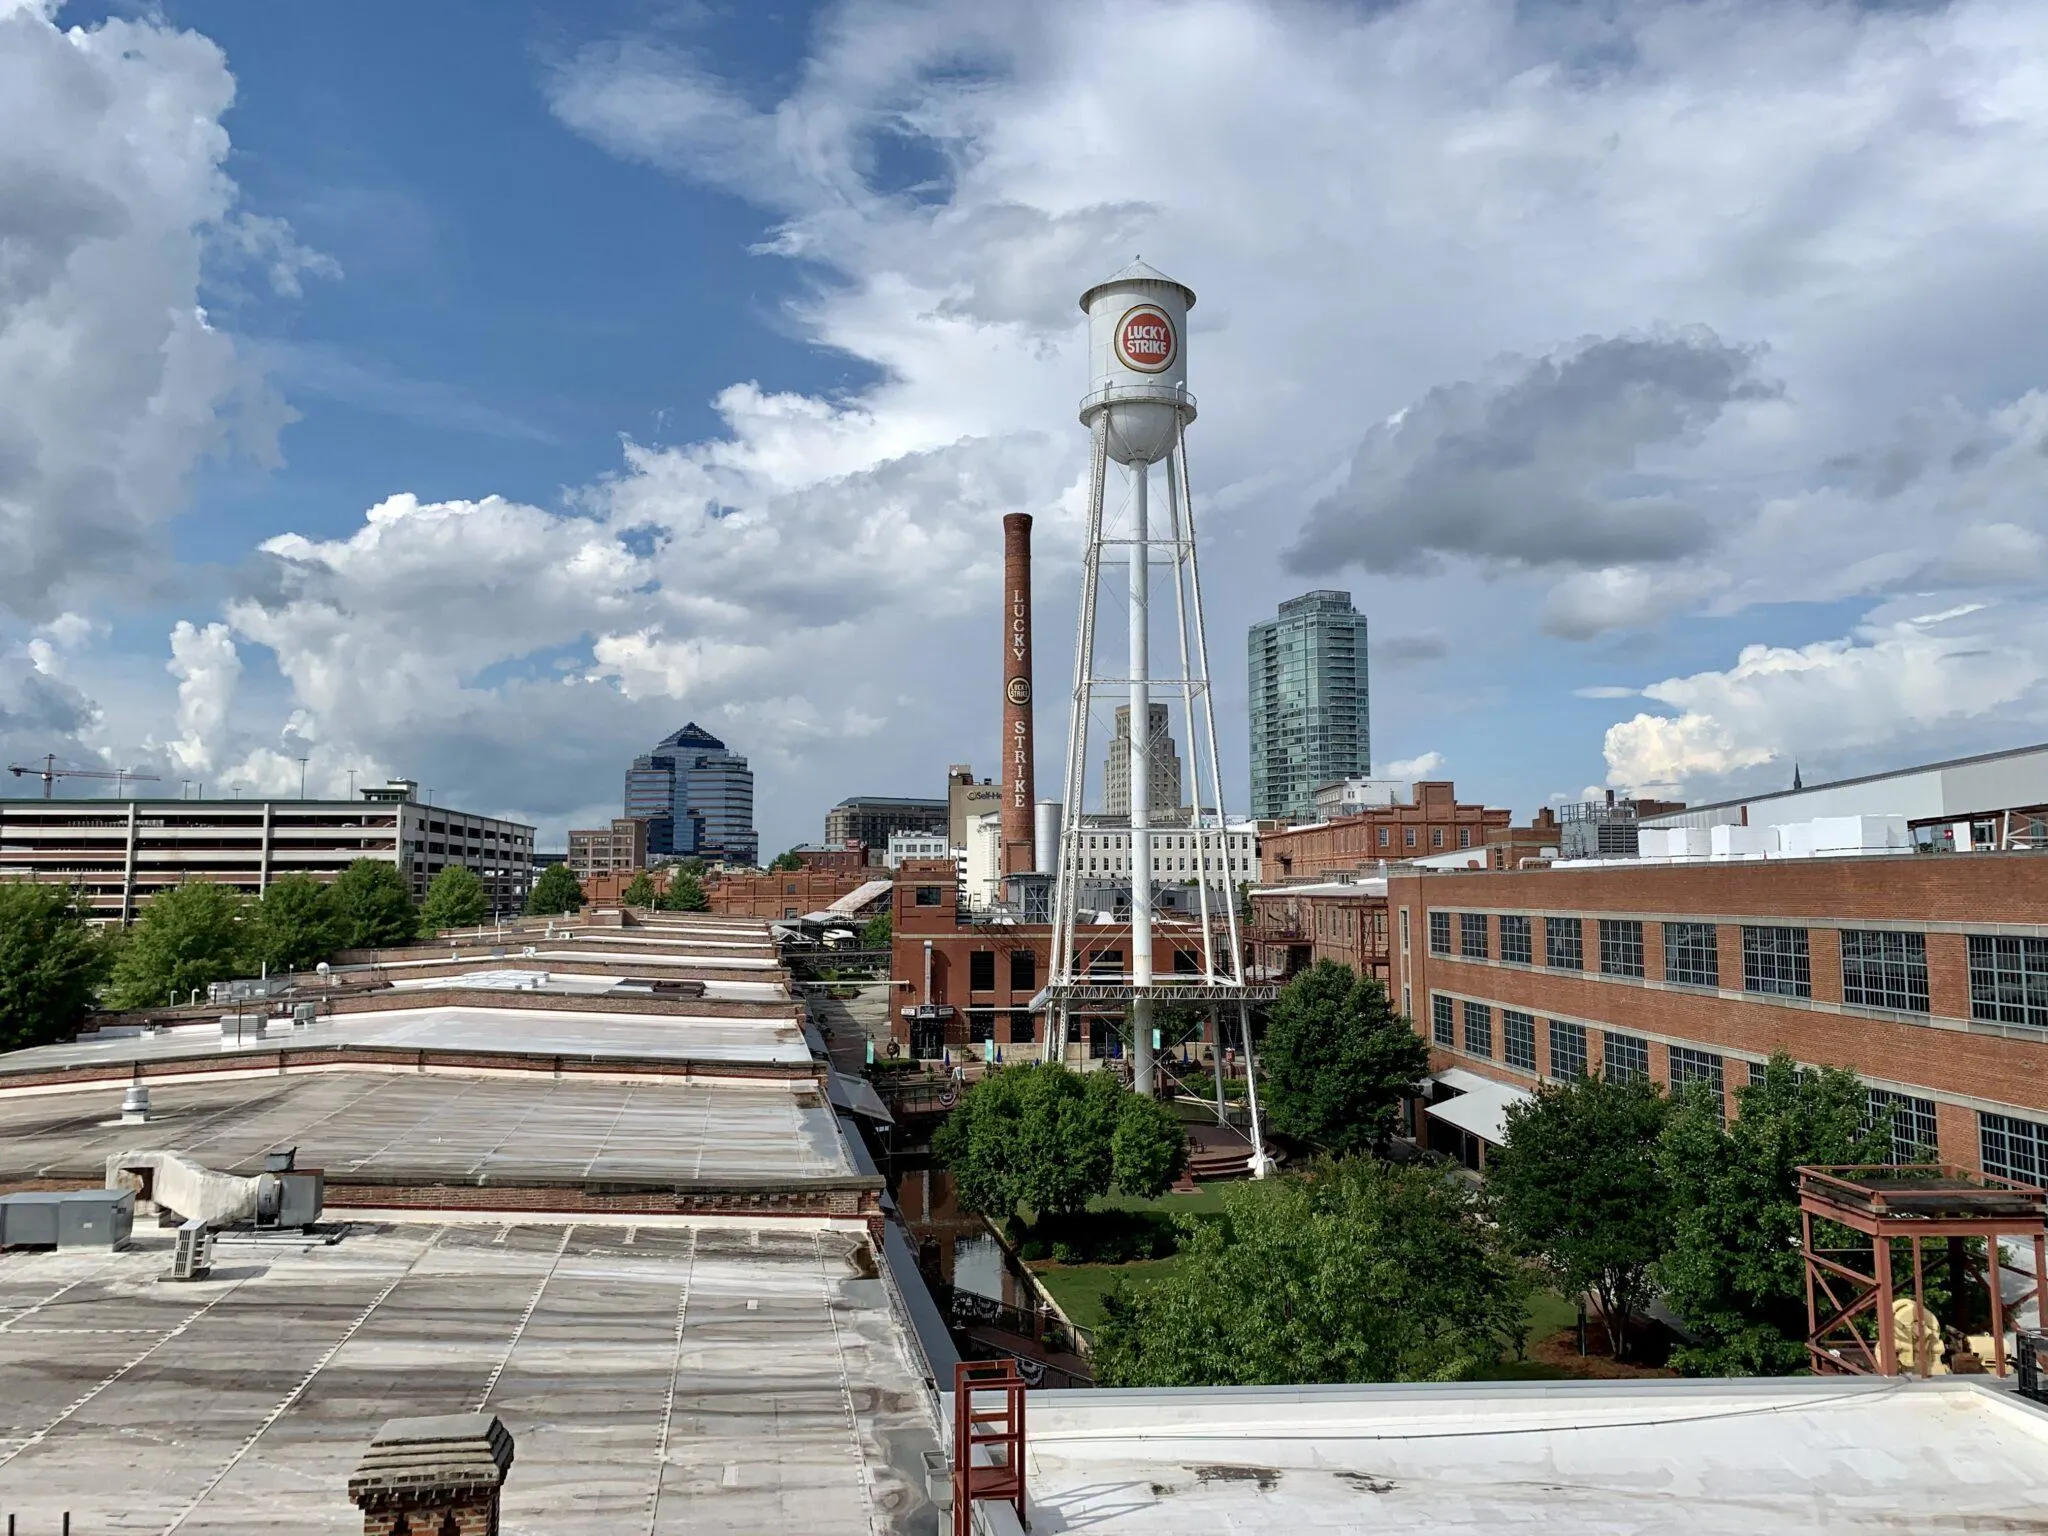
(1310, 704)
(697, 797)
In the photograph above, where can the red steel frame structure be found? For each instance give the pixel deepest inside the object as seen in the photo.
(1915, 1202)
(998, 1430)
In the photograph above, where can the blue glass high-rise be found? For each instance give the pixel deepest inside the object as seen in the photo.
(697, 798)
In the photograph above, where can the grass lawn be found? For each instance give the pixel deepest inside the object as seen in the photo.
(1207, 1200)
(1079, 1289)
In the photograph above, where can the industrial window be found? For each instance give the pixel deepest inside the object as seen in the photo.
(1439, 933)
(1518, 1038)
(1386, 837)
(1884, 970)
(981, 1025)
(930, 896)
(1020, 1027)
(1186, 962)
(1774, 960)
(1624, 1058)
(2009, 980)
(1690, 1066)
(1023, 970)
(981, 971)
(1913, 1135)
(1514, 939)
(1408, 836)
(1563, 944)
(2012, 1149)
(1472, 935)
(1478, 1030)
(1436, 837)
(1691, 958)
(1464, 837)
(1621, 946)
(1567, 1049)
(1444, 1023)
(1106, 962)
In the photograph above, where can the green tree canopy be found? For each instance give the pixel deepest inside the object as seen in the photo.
(1734, 1272)
(1338, 1060)
(557, 891)
(51, 963)
(685, 893)
(1579, 1187)
(375, 907)
(456, 899)
(188, 937)
(878, 932)
(1043, 1138)
(296, 924)
(1360, 1270)
(640, 891)
(785, 861)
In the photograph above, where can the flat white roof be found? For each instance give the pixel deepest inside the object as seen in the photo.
(1710, 1458)
(1481, 1106)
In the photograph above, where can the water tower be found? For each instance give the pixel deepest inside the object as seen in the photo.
(1137, 411)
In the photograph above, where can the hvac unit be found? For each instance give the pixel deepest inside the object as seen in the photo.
(192, 1259)
(67, 1218)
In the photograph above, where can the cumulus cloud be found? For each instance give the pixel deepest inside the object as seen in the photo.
(1421, 766)
(1893, 681)
(113, 383)
(1542, 464)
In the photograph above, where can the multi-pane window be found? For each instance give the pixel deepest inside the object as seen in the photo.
(2013, 1149)
(1621, 946)
(1478, 1030)
(1563, 944)
(1023, 970)
(1691, 1066)
(1443, 1025)
(1884, 970)
(1567, 1049)
(1692, 957)
(1514, 939)
(1472, 935)
(2009, 980)
(1774, 960)
(981, 971)
(1439, 933)
(1518, 1039)
(981, 1025)
(1624, 1058)
(1913, 1136)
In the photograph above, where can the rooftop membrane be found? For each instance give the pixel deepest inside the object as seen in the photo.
(655, 1380)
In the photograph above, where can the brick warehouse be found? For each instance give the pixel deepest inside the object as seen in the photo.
(1926, 974)
(1433, 821)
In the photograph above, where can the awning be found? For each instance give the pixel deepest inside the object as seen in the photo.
(1481, 1109)
(857, 1096)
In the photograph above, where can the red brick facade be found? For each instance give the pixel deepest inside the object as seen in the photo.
(785, 894)
(1433, 822)
(1963, 1064)
(1292, 928)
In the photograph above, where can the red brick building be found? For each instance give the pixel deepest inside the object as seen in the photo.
(1294, 926)
(1434, 821)
(841, 857)
(1927, 974)
(959, 982)
(788, 893)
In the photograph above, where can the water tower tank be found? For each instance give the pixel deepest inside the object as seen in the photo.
(1137, 362)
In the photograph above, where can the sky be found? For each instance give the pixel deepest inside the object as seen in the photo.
(477, 392)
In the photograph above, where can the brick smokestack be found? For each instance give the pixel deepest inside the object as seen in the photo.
(1018, 785)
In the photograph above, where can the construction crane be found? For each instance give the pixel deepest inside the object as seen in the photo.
(50, 773)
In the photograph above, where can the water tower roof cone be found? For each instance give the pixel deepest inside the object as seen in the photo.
(1137, 363)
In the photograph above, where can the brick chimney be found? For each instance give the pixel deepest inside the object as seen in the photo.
(1019, 795)
(435, 1476)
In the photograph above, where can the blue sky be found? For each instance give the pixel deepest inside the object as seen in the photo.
(1661, 378)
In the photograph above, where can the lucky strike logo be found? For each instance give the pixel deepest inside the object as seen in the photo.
(1145, 339)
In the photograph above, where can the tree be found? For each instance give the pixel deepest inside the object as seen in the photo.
(557, 891)
(878, 932)
(376, 909)
(685, 893)
(1338, 1060)
(1049, 1140)
(785, 861)
(187, 938)
(51, 963)
(456, 899)
(296, 924)
(1578, 1186)
(639, 891)
(1359, 1271)
(1734, 1271)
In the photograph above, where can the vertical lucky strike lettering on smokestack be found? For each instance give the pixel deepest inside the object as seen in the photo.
(1018, 854)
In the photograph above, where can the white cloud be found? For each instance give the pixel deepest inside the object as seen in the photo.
(113, 384)
(1423, 766)
(208, 669)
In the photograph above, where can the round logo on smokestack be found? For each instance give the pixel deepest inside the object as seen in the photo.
(1144, 339)
(1019, 691)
